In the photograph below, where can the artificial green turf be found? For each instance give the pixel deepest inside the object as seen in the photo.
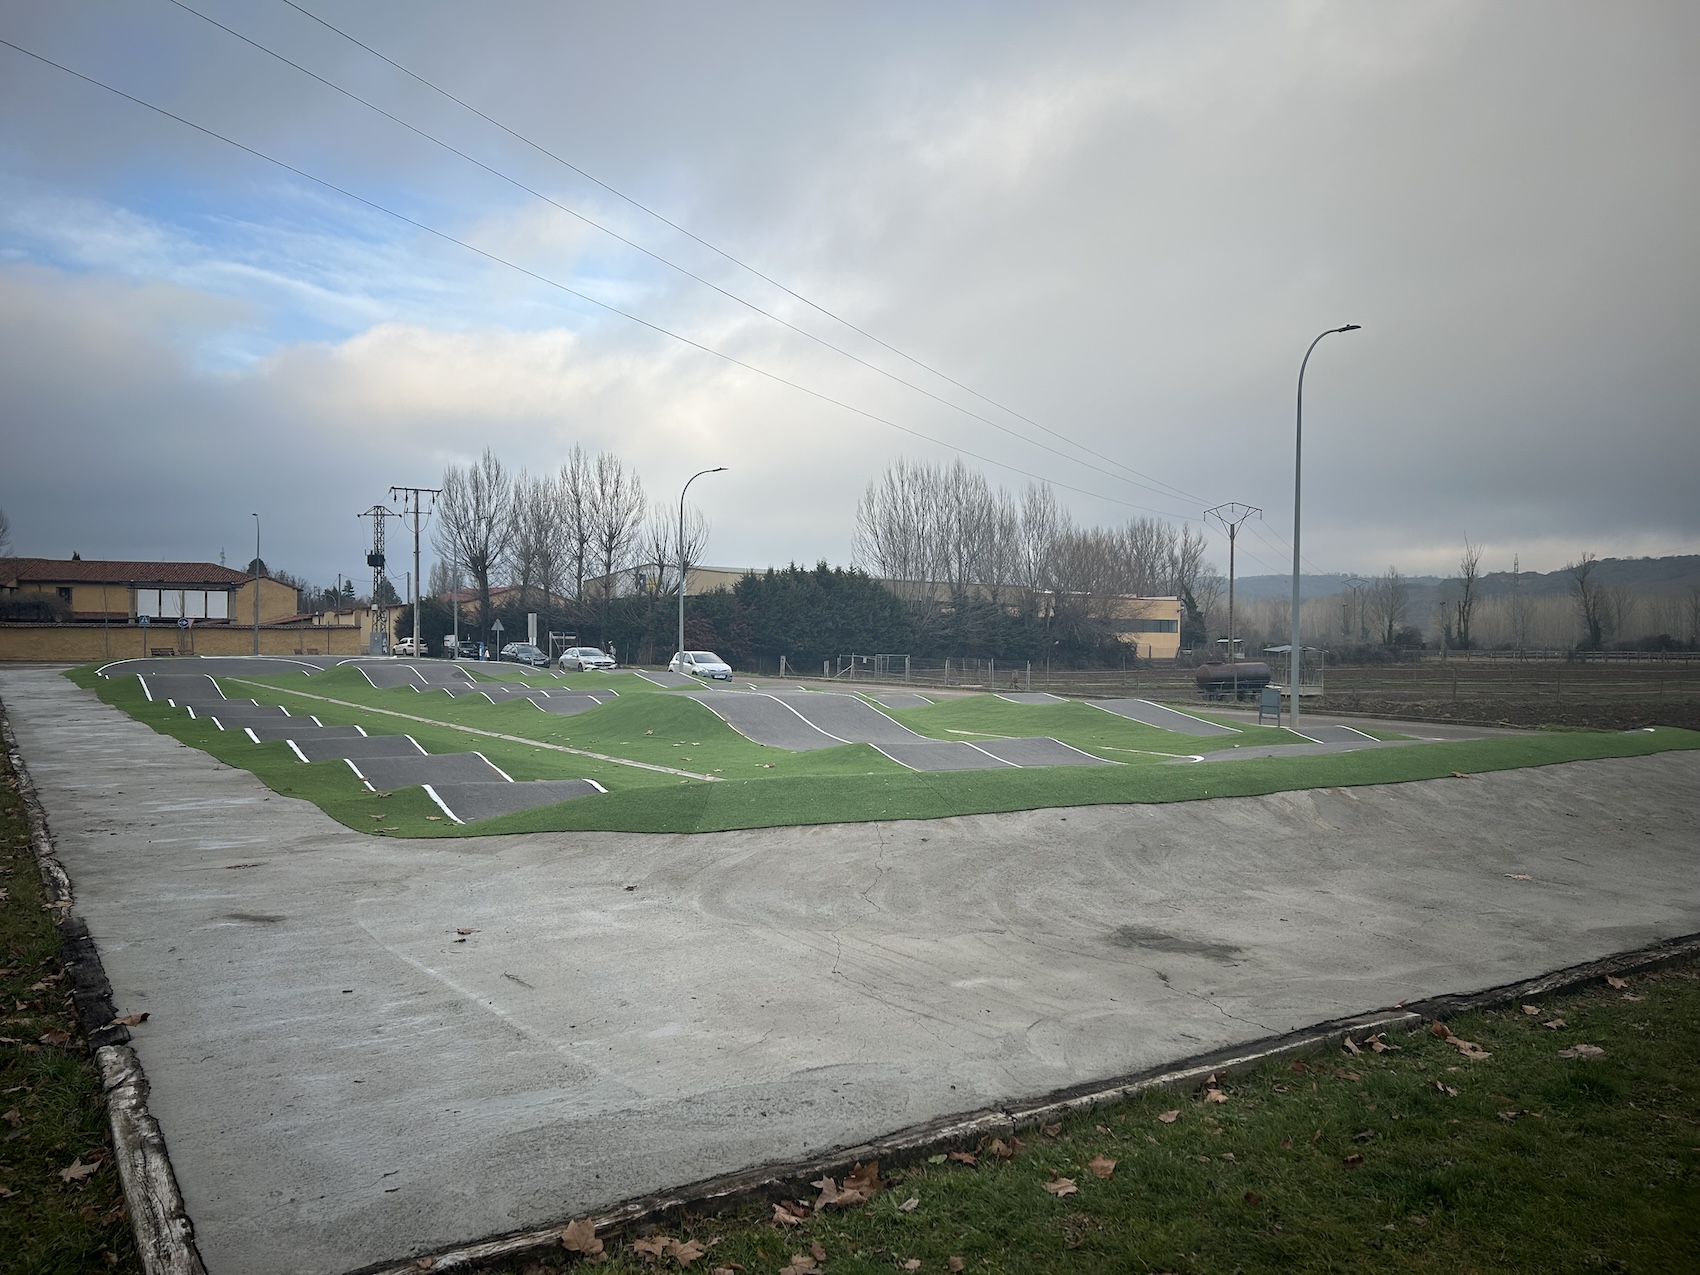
(1087, 728)
(1416, 1159)
(770, 787)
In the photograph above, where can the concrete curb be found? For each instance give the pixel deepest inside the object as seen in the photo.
(791, 1181)
(165, 1238)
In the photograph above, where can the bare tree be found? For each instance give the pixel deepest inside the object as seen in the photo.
(661, 548)
(576, 484)
(897, 528)
(1389, 600)
(474, 519)
(1589, 599)
(1691, 608)
(1469, 584)
(5, 535)
(1519, 605)
(615, 520)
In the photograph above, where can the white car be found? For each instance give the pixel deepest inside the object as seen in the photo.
(580, 659)
(701, 664)
(405, 646)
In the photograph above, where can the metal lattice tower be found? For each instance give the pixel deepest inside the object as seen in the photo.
(1231, 515)
(375, 559)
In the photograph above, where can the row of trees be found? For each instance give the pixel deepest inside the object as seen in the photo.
(984, 571)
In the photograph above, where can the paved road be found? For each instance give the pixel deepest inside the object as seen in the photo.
(339, 1081)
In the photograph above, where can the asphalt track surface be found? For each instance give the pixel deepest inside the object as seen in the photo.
(1143, 710)
(264, 734)
(566, 703)
(762, 995)
(800, 721)
(1032, 697)
(315, 747)
(900, 699)
(470, 802)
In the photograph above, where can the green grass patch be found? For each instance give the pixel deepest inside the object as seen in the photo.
(1414, 1160)
(52, 1111)
(769, 787)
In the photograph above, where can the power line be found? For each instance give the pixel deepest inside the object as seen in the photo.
(574, 292)
(1162, 487)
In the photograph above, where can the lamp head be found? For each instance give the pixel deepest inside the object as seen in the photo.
(1350, 327)
(718, 469)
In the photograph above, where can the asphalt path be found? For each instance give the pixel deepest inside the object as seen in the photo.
(900, 699)
(1143, 710)
(339, 1081)
(766, 719)
(471, 802)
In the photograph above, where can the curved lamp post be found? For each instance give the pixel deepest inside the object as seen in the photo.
(718, 469)
(1298, 473)
(256, 584)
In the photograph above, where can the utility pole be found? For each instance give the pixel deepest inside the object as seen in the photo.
(1356, 585)
(375, 560)
(256, 584)
(411, 497)
(1231, 515)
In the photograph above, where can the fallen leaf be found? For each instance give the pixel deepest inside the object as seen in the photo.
(1553, 1024)
(652, 1247)
(937, 1159)
(466, 931)
(784, 1215)
(913, 1264)
(1619, 983)
(955, 1264)
(965, 1157)
(1340, 1074)
(865, 1179)
(433, 818)
(1353, 1161)
(1169, 1117)
(1060, 1187)
(1229, 1157)
(1103, 1129)
(55, 1037)
(12, 1117)
(817, 1252)
(129, 1020)
(1351, 1047)
(1531, 1010)
(1446, 1089)
(1101, 1165)
(1458, 774)
(1518, 876)
(800, 1264)
(910, 1205)
(687, 1251)
(78, 1171)
(1469, 1049)
(1215, 1095)
(998, 1149)
(1363, 1135)
(1299, 1065)
(1252, 1197)
(1582, 1051)
(1051, 1130)
(1286, 1144)
(580, 1237)
(1631, 996)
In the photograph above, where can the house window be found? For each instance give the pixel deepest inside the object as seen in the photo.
(64, 593)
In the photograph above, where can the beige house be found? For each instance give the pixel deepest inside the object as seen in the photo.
(95, 591)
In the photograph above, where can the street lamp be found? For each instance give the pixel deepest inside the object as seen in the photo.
(718, 469)
(256, 584)
(1298, 470)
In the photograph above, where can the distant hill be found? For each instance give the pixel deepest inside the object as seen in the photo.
(1673, 574)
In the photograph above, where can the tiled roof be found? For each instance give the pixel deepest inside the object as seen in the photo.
(96, 571)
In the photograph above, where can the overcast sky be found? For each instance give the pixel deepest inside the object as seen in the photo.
(1124, 222)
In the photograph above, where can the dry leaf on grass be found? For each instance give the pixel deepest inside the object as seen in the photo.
(1554, 1024)
(55, 1037)
(1060, 1187)
(1215, 1095)
(1101, 1165)
(77, 1171)
(1051, 1130)
(1532, 1010)
(817, 1252)
(787, 1214)
(800, 1264)
(1582, 1051)
(910, 1205)
(1351, 1046)
(965, 1157)
(651, 1247)
(955, 1264)
(1469, 1049)
(1631, 996)
(687, 1251)
(1378, 1042)
(1446, 1089)
(1252, 1197)
(1619, 983)
(1169, 1117)
(12, 1117)
(129, 1020)
(580, 1237)
(998, 1149)
(1353, 1161)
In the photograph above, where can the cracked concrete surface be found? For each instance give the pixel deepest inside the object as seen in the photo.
(342, 1077)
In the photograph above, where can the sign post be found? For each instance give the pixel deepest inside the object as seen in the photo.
(496, 628)
(144, 621)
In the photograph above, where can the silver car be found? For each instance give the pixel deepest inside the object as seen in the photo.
(701, 664)
(582, 659)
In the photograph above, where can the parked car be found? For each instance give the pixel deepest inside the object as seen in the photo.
(579, 659)
(701, 664)
(524, 653)
(406, 647)
(467, 649)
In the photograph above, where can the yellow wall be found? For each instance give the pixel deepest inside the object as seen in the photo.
(277, 602)
(80, 643)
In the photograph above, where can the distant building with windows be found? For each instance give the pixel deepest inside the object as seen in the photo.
(96, 591)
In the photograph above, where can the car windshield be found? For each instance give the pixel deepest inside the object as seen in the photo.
(705, 657)
(593, 653)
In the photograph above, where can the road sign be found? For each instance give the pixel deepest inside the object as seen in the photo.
(183, 623)
(496, 627)
(143, 620)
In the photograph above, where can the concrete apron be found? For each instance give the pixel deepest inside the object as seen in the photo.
(340, 1081)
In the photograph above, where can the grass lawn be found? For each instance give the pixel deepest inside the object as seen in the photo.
(1416, 1160)
(52, 1112)
(633, 744)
